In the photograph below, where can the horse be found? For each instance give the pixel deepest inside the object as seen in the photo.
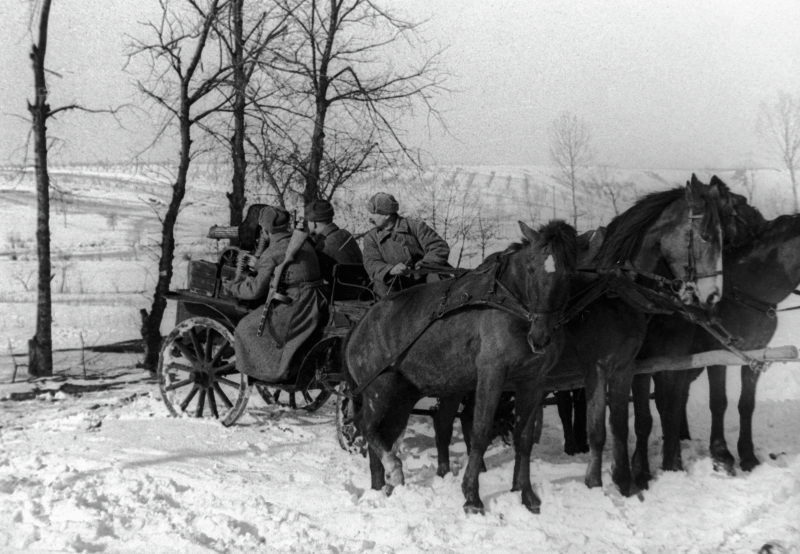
(760, 272)
(662, 235)
(486, 348)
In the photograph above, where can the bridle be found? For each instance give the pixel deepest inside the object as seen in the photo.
(688, 283)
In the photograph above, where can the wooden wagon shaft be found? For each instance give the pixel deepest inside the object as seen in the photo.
(714, 357)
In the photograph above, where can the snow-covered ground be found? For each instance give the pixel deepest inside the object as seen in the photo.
(109, 471)
(90, 461)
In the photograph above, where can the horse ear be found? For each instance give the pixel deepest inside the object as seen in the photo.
(527, 232)
(694, 187)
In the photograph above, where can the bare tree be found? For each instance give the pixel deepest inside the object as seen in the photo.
(779, 126)
(347, 73)
(487, 230)
(603, 183)
(40, 347)
(244, 35)
(747, 178)
(184, 82)
(570, 151)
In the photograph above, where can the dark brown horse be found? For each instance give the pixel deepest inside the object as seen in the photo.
(662, 234)
(475, 348)
(759, 273)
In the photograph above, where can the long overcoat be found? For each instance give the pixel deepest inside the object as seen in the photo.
(335, 245)
(270, 356)
(409, 241)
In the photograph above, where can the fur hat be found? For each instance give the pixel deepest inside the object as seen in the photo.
(319, 210)
(383, 203)
(274, 219)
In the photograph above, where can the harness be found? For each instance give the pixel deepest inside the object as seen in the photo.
(489, 292)
(754, 303)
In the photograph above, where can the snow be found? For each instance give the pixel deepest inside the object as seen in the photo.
(91, 461)
(109, 471)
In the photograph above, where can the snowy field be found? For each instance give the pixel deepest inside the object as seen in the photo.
(91, 462)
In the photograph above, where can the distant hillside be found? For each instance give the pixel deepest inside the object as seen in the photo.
(113, 209)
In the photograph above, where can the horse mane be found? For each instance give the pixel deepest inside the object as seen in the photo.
(557, 235)
(625, 233)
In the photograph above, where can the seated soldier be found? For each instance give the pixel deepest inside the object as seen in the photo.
(287, 325)
(332, 244)
(398, 244)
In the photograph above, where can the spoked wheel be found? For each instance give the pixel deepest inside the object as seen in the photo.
(197, 372)
(349, 436)
(310, 399)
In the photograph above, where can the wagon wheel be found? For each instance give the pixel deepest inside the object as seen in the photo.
(197, 372)
(350, 438)
(309, 394)
(310, 399)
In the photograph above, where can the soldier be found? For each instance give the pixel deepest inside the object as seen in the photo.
(398, 244)
(287, 325)
(333, 245)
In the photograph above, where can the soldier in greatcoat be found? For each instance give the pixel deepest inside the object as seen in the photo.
(288, 325)
(398, 244)
(333, 244)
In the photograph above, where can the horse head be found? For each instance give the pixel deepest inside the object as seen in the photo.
(676, 234)
(741, 222)
(546, 259)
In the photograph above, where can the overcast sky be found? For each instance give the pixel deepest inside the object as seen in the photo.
(670, 84)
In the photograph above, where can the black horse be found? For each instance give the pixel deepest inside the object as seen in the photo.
(661, 235)
(759, 273)
(486, 349)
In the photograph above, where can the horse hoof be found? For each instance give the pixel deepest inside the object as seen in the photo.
(592, 481)
(471, 509)
(570, 448)
(749, 464)
(387, 490)
(642, 481)
(724, 466)
(583, 449)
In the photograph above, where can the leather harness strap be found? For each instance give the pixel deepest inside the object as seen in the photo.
(504, 300)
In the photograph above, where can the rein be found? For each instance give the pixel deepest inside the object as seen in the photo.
(754, 303)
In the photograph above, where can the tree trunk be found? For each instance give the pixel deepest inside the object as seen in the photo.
(151, 322)
(311, 191)
(794, 188)
(236, 198)
(40, 347)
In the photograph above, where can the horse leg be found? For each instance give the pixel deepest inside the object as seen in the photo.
(579, 423)
(564, 403)
(443, 420)
(528, 401)
(643, 426)
(487, 397)
(619, 391)
(467, 415)
(718, 402)
(377, 416)
(690, 378)
(392, 430)
(596, 424)
(376, 470)
(747, 405)
(671, 413)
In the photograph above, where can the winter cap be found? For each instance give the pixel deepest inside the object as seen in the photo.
(274, 219)
(319, 210)
(383, 203)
